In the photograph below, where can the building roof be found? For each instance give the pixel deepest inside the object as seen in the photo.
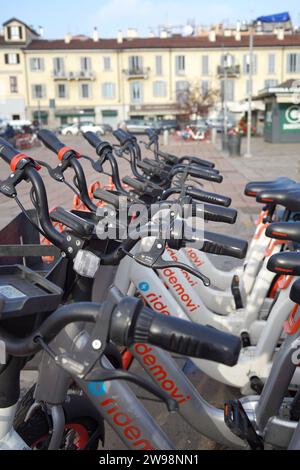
(21, 22)
(288, 87)
(177, 42)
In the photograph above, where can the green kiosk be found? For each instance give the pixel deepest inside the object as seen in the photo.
(282, 112)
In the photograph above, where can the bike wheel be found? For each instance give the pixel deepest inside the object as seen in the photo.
(82, 432)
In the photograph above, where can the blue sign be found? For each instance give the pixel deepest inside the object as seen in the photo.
(144, 286)
(96, 388)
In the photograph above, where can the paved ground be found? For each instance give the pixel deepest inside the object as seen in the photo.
(268, 162)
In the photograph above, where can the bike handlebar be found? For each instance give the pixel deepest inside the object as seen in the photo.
(50, 140)
(7, 151)
(136, 324)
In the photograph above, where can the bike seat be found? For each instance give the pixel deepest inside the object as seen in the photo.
(295, 292)
(255, 187)
(285, 196)
(287, 262)
(289, 231)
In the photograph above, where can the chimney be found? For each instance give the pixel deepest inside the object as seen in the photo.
(119, 37)
(212, 35)
(95, 34)
(131, 33)
(280, 34)
(41, 31)
(68, 38)
(164, 34)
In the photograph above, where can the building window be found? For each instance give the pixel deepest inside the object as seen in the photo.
(13, 84)
(271, 63)
(37, 64)
(108, 90)
(180, 64)
(247, 64)
(15, 33)
(85, 90)
(135, 63)
(106, 63)
(271, 83)
(158, 65)
(136, 92)
(160, 89)
(182, 91)
(293, 63)
(204, 87)
(227, 90)
(38, 91)
(205, 65)
(59, 66)
(61, 91)
(12, 58)
(85, 64)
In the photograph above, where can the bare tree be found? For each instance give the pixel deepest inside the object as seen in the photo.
(195, 98)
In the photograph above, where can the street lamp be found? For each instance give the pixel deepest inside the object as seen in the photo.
(227, 63)
(250, 90)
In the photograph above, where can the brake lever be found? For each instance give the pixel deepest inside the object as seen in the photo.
(56, 173)
(101, 374)
(153, 259)
(8, 186)
(96, 165)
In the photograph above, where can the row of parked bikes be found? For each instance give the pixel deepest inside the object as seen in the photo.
(102, 304)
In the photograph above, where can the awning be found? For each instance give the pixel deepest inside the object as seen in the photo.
(109, 113)
(243, 107)
(75, 112)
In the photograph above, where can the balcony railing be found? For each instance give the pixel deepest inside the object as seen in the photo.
(231, 72)
(137, 72)
(81, 75)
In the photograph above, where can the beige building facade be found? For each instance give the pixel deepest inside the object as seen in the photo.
(109, 80)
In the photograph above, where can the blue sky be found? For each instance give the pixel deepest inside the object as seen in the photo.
(80, 16)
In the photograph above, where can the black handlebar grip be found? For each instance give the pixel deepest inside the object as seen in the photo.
(92, 139)
(138, 185)
(215, 213)
(206, 175)
(186, 338)
(108, 197)
(197, 160)
(50, 140)
(123, 137)
(77, 224)
(219, 244)
(7, 151)
(211, 198)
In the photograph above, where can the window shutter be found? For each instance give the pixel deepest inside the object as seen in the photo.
(6, 58)
(20, 32)
(9, 32)
(18, 58)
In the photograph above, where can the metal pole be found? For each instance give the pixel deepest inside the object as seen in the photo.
(225, 103)
(39, 113)
(249, 121)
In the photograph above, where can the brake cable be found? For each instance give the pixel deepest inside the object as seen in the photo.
(24, 211)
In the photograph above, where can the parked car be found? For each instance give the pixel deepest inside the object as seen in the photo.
(106, 128)
(137, 126)
(167, 124)
(76, 129)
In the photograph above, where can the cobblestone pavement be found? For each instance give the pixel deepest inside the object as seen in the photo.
(269, 161)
